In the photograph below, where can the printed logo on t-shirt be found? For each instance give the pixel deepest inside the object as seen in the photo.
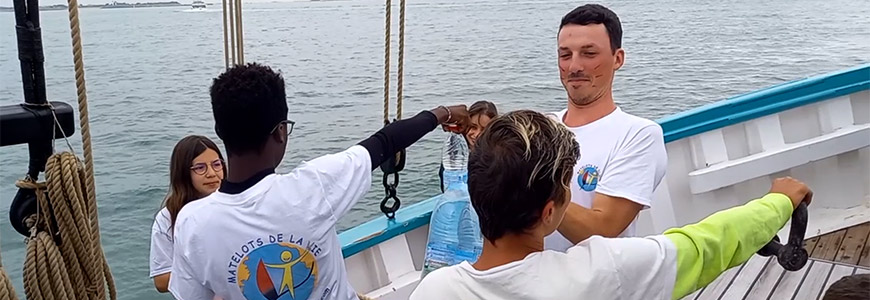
(588, 178)
(278, 270)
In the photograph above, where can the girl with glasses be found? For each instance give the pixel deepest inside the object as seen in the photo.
(196, 170)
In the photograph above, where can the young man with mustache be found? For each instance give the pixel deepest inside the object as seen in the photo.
(624, 156)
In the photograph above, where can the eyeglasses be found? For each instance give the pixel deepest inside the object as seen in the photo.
(200, 168)
(288, 123)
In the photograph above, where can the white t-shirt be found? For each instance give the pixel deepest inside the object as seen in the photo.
(621, 155)
(161, 244)
(597, 268)
(275, 240)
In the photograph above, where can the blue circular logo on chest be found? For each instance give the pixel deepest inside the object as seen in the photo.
(587, 179)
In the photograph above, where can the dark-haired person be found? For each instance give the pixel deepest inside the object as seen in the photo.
(480, 114)
(624, 157)
(517, 209)
(196, 168)
(852, 287)
(272, 236)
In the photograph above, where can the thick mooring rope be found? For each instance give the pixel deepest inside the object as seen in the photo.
(7, 292)
(101, 275)
(76, 269)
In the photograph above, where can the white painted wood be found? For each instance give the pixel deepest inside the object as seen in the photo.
(764, 134)
(835, 114)
(365, 270)
(709, 149)
(736, 142)
(399, 289)
(417, 239)
(800, 123)
(863, 165)
(861, 107)
(748, 275)
(662, 210)
(814, 281)
(732, 172)
(789, 282)
(397, 257)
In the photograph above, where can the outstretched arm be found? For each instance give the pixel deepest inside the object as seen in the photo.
(401, 134)
(730, 237)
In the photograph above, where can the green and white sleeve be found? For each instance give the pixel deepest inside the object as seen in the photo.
(725, 239)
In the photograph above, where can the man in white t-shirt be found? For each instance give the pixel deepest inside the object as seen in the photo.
(624, 156)
(272, 236)
(517, 209)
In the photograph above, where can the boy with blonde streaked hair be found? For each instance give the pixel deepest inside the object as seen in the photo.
(519, 177)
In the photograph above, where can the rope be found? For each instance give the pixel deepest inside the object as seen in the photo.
(64, 259)
(7, 292)
(387, 27)
(400, 76)
(78, 270)
(401, 71)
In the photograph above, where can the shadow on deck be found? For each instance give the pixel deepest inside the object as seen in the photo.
(833, 255)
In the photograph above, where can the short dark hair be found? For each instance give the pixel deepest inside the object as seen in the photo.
(849, 287)
(248, 101)
(597, 14)
(522, 161)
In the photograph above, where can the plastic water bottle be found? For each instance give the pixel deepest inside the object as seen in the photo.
(454, 230)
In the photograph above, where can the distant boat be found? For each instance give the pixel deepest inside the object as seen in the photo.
(198, 5)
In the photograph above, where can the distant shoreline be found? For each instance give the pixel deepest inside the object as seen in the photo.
(113, 5)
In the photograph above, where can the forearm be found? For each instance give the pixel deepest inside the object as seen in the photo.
(580, 223)
(161, 282)
(725, 239)
(400, 134)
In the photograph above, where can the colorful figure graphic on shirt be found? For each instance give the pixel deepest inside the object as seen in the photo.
(284, 271)
(588, 178)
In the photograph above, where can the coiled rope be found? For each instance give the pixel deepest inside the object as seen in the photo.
(7, 292)
(65, 258)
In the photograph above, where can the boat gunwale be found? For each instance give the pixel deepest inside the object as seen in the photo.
(716, 115)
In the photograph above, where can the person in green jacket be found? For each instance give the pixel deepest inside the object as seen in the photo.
(517, 209)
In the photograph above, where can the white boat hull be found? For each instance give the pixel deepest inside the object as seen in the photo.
(719, 156)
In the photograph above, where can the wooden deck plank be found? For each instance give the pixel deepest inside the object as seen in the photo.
(829, 245)
(765, 283)
(715, 289)
(744, 280)
(838, 272)
(864, 260)
(789, 283)
(810, 244)
(695, 295)
(813, 283)
(851, 248)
